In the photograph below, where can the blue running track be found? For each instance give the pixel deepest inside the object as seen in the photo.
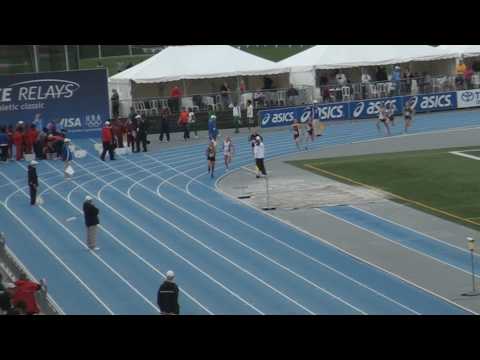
(161, 211)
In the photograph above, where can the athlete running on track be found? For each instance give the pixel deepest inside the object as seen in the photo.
(390, 111)
(228, 150)
(310, 134)
(211, 152)
(408, 113)
(296, 133)
(382, 118)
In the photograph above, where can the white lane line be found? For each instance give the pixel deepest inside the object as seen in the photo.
(51, 252)
(173, 251)
(468, 156)
(215, 252)
(290, 247)
(399, 243)
(280, 220)
(103, 228)
(413, 230)
(99, 258)
(254, 250)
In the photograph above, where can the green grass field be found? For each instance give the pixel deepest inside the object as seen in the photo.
(114, 64)
(434, 181)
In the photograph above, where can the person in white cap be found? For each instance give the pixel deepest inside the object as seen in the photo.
(167, 296)
(91, 212)
(33, 181)
(67, 157)
(259, 153)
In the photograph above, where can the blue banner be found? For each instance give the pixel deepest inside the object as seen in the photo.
(76, 100)
(286, 116)
(434, 102)
(369, 108)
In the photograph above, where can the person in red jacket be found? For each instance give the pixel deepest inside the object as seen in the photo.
(117, 129)
(25, 292)
(107, 141)
(18, 141)
(30, 138)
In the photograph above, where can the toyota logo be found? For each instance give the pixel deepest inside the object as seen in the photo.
(468, 96)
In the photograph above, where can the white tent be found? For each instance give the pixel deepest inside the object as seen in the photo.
(465, 50)
(198, 62)
(196, 69)
(304, 64)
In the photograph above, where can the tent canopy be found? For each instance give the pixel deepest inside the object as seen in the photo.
(465, 50)
(198, 62)
(349, 56)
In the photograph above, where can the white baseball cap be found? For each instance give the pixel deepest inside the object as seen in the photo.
(107, 123)
(67, 140)
(257, 138)
(33, 163)
(138, 117)
(88, 198)
(214, 116)
(170, 275)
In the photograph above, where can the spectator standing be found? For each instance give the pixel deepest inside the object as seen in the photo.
(18, 142)
(90, 213)
(115, 104)
(3, 144)
(67, 158)
(396, 77)
(468, 77)
(183, 123)
(225, 93)
(341, 79)
(237, 117)
(38, 122)
(250, 118)
(164, 125)
(167, 296)
(366, 79)
(259, 153)
(292, 94)
(175, 96)
(30, 138)
(460, 79)
(242, 86)
(118, 132)
(142, 134)
(212, 128)
(192, 122)
(131, 131)
(107, 142)
(33, 181)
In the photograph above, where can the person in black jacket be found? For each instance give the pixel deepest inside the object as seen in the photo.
(33, 181)
(91, 221)
(164, 125)
(142, 133)
(167, 297)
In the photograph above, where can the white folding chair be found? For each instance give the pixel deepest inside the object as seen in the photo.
(373, 93)
(154, 108)
(346, 93)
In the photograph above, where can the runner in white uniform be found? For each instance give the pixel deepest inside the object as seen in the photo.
(382, 118)
(228, 150)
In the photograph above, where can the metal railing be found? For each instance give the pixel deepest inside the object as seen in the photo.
(14, 268)
(219, 101)
(403, 87)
